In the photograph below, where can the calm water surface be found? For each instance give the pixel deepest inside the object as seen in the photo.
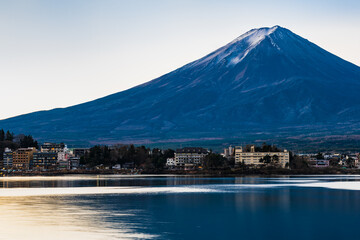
(171, 207)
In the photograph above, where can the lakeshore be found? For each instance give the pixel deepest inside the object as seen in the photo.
(200, 173)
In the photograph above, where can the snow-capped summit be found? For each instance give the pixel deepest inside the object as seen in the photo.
(254, 36)
(267, 80)
(238, 49)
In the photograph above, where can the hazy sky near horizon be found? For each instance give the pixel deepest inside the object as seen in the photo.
(61, 53)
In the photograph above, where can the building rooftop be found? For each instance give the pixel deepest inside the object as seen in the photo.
(192, 150)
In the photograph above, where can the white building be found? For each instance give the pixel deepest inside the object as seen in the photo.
(117, 167)
(170, 162)
(7, 158)
(190, 156)
(228, 152)
(63, 156)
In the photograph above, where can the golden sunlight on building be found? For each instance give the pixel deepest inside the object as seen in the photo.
(255, 157)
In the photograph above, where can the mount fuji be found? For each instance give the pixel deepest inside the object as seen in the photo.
(267, 83)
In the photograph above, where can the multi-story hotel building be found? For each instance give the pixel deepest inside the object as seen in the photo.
(189, 156)
(253, 158)
(52, 147)
(22, 158)
(7, 158)
(80, 152)
(45, 160)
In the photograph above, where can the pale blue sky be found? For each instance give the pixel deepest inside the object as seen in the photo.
(57, 53)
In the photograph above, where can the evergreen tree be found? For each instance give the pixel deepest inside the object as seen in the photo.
(298, 162)
(9, 136)
(2, 135)
(350, 162)
(28, 141)
(266, 159)
(275, 159)
(213, 160)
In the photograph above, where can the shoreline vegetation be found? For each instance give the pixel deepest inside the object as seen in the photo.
(199, 173)
(138, 160)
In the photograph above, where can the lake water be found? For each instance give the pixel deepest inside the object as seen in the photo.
(173, 207)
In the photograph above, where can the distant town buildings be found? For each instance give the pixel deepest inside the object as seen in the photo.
(333, 159)
(51, 156)
(313, 162)
(56, 156)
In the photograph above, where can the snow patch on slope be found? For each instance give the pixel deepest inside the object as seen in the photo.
(238, 59)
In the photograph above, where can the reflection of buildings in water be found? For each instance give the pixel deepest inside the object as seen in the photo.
(58, 217)
(184, 180)
(198, 180)
(253, 199)
(259, 179)
(246, 180)
(267, 206)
